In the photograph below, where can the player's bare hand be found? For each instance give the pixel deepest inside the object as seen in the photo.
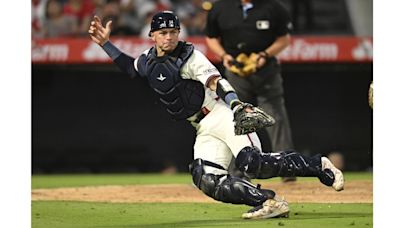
(98, 33)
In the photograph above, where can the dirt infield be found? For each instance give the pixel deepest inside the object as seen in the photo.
(355, 192)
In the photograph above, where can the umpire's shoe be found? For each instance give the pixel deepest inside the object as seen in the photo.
(338, 183)
(271, 208)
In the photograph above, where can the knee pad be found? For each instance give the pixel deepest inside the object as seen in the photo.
(205, 182)
(228, 189)
(238, 191)
(249, 161)
(256, 164)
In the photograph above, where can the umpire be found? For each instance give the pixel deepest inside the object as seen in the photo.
(261, 27)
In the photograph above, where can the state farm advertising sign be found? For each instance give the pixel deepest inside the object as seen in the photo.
(302, 50)
(328, 49)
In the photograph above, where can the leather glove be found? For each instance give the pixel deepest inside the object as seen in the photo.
(249, 119)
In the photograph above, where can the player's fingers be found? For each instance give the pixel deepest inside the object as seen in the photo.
(94, 24)
(93, 28)
(97, 29)
(92, 32)
(108, 25)
(98, 36)
(97, 22)
(100, 33)
(97, 19)
(95, 39)
(100, 27)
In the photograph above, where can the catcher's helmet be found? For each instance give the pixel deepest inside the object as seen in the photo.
(164, 19)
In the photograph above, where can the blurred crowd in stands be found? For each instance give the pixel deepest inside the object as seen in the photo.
(71, 18)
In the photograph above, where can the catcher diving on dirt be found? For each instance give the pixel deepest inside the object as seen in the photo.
(191, 88)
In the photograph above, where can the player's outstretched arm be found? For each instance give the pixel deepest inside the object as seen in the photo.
(101, 36)
(98, 33)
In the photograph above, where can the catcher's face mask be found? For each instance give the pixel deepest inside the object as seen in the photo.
(164, 19)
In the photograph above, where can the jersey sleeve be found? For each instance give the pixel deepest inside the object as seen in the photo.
(212, 30)
(284, 21)
(199, 68)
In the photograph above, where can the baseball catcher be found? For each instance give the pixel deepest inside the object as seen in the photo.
(191, 88)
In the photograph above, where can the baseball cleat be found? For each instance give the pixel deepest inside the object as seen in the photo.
(272, 208)
(338, 183)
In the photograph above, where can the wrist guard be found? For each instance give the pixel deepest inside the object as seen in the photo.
(226, 92)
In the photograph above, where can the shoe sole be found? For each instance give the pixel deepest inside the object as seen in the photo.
(276, 215)
(272, 215)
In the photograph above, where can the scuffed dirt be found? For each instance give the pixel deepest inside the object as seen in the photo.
(354, 192)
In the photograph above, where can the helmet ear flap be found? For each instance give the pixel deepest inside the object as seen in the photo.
(164, 19)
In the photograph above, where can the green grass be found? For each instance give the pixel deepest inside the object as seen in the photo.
(60, 214)
(79, 214)
(76, 180)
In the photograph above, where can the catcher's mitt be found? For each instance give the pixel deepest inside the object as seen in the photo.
(249, 119)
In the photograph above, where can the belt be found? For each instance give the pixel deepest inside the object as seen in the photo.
(201, 114)
(197, 117)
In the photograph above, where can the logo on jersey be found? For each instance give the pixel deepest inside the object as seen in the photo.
(210, 71)
(262, 25)
(161, 77)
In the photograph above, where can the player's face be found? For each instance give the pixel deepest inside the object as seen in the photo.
(166, 40)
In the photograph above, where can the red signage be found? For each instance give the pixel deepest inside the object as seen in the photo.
(303, 49)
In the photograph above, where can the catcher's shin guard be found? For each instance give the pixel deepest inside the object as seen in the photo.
(228, 189)
(257, 164)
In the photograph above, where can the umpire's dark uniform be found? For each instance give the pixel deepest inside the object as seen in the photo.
(250, 31)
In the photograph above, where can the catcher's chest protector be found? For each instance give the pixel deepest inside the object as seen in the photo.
(181, 97)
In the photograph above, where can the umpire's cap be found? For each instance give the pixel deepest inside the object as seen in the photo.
(164, 19)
